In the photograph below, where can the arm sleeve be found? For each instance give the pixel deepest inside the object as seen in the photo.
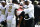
(6, 12)
(29, 9)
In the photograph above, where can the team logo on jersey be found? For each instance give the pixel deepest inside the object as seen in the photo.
(10, 7)
(3, 11)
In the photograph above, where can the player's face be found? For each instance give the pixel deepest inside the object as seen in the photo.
(3, 3)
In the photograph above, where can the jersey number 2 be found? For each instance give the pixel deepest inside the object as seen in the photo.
(10, 7)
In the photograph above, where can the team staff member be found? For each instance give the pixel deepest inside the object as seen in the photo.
(29, 14)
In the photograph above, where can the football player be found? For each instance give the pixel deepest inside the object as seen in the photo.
(3, 17)
(11, 20)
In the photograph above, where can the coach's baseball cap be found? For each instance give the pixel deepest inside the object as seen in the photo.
(26, 0)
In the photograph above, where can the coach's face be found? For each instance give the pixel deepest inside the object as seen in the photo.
(27, 2)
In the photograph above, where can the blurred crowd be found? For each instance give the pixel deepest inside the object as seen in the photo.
(20, 13)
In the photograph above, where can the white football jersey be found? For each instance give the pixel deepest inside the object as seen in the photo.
(10, 11)
(2, 13)
(3, 10)
(10, 8)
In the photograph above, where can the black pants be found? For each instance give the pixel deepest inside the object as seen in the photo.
(22, 14)
(16, 22)
(29, 23)
(4, 23)
(22, 23)
(36, 20)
